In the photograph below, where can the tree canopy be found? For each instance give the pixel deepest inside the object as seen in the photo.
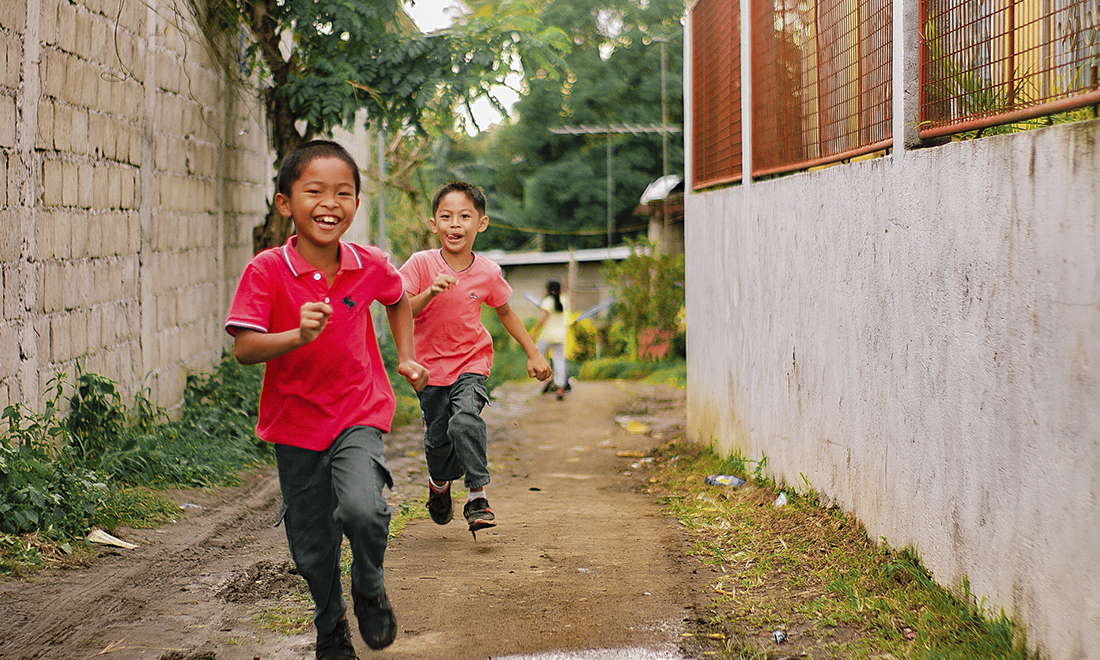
(556, 184)
(320, 64)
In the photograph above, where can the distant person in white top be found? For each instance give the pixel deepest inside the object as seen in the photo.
(551, 333)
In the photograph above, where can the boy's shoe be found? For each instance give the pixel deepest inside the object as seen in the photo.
(440, 506)
(377, 624)
(337, 644)
(478, 514)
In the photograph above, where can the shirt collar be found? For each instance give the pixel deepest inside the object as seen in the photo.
(349, 258)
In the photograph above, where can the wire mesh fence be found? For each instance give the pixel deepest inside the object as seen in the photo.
(989, 62)
(821, 75)
(821, 81)
(716, 93)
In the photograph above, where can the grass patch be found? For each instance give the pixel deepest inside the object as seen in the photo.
(667, 372)
(139, 508)
(811, 572)
(292, 615)
(406, 513)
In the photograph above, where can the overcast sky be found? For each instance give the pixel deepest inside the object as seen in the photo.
(435, 14)
(431, 14)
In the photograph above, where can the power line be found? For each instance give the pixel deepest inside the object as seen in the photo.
(578, 232)
(664, 129)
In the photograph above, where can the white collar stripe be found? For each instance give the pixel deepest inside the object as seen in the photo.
(286, 258)
(354, 252)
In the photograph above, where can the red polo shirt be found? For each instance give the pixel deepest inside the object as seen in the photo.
(311, 394)
(448, 335)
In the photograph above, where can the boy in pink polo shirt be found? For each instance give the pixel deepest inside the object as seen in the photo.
(447, 288)
(304, 310)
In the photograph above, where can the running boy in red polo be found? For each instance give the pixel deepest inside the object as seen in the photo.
(304, 309)
(447, 288)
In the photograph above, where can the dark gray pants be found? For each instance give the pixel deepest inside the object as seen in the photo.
(328, 495)
(455, 441)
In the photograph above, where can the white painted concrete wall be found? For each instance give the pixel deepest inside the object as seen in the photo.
(918, 338)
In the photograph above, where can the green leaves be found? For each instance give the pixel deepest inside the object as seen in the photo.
(650, 289)
(58, 476)
(580, 69)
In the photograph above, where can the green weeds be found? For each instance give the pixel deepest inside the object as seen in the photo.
(60, 476)
(812, 572)
(289, 616)
(668, 372)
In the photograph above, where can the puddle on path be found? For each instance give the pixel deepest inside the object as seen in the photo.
(601, 654)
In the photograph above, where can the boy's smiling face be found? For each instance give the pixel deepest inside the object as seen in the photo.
(457, 222)
(322, 202)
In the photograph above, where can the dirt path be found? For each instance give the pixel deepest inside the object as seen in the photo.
(582, 558)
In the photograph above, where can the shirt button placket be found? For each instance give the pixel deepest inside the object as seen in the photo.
(317, 278)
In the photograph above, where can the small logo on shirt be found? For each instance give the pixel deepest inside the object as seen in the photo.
(349, 302)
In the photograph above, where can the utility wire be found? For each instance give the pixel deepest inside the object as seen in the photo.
(578, 232)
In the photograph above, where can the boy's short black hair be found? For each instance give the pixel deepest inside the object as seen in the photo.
(296, 161)
(476, 196)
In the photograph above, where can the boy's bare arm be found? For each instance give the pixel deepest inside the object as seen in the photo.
(537, 366)
(400, 317)
(541, 322)
(442, 282)
(251, 347)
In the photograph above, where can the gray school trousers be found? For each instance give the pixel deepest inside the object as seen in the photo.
(455, 441)
(328, 495)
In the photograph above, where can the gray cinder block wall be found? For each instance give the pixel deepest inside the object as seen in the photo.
(132, 175)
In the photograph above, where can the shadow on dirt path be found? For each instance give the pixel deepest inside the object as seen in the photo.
(582, 558)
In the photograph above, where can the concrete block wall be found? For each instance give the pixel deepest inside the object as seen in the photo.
(918, 338)
(133, 174)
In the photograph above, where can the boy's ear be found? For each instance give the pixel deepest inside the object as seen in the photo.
(282, 203)
(431, 225)
(483, 224)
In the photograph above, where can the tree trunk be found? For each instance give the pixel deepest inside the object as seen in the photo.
(285, 137)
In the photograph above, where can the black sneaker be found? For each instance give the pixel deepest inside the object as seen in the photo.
(337, 644)
(377, 624)
(478, 514)
(440, 506)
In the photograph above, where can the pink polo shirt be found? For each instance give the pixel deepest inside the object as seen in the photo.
(311, 394)
(449, 338)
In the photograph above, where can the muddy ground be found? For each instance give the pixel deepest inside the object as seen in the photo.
(583, 557)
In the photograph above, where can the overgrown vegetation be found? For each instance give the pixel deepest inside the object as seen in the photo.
(812, 573)
(316, 65)
(60, 476)
(102, 464)
(650, 295)
(669, 372)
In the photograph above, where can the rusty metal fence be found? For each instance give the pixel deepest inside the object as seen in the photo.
(990, 62)
(821, 75)
(716, 93)
(821, 81)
